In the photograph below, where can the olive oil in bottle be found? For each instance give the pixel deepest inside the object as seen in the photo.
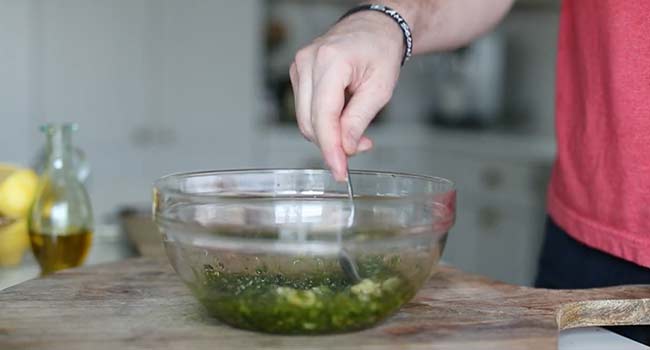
(58, 252)
(60, 221)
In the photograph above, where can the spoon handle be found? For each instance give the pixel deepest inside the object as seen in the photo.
(351, 199)
(346, 260)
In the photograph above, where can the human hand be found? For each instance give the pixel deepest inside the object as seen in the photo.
(342, 80)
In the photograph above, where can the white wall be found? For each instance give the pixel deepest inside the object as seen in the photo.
(157, 86)
(15, 32)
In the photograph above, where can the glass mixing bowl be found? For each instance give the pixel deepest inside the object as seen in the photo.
(272, 250)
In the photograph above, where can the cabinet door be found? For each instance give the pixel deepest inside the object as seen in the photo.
(15, 109)
(509, 241)
(510, 180)
(500, 212)
(410, 159)
(497, 239)
(462, 246)
(157, 86)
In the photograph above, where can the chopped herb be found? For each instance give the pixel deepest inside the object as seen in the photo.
(319, 302)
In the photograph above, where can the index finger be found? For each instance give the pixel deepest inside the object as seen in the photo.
(328, 100)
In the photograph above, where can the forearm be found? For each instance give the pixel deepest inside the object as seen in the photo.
(439, 25)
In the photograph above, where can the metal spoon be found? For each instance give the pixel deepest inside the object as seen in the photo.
(346, 261)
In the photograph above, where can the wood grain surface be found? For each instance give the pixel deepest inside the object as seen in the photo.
(141, 304)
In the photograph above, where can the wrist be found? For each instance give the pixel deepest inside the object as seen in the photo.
(375, 14)
(379, 23)
(407, 9)
(412, 11)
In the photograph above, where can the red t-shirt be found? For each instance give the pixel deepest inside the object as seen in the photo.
(600, 188)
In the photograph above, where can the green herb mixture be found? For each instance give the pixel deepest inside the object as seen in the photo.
(322, 302)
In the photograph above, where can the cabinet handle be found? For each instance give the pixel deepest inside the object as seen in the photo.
(492, 178)
(489, 218)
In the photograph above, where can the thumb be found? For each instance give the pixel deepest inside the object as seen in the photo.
(357, 115)
(365, 145)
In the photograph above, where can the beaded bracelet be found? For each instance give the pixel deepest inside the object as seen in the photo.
(406, 30)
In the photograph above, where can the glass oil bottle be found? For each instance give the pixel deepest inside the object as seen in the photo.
(60, 221)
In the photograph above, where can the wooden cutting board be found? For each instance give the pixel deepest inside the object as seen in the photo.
(141, 304)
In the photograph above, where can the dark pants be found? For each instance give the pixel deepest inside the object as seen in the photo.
(568, 264)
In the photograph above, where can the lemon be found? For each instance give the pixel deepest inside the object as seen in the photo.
(6, 170)
(14, 240)
(17, 190)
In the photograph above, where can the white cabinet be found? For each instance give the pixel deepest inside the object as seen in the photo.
(496, 238)
(15, 50)
(157, 86)
(500, 208)
(501, 182)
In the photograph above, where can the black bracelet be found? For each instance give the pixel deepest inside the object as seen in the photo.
(406, 30)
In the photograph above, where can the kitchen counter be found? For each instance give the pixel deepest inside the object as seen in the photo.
(140, 303)
(109, 245)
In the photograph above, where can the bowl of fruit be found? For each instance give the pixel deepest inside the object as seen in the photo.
(287, 251)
